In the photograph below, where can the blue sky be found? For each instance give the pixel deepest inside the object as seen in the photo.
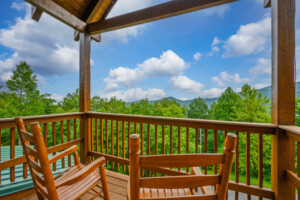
(191, 55)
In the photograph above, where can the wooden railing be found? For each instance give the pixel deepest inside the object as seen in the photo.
(160, 135)
(293, 173)
(53, 126)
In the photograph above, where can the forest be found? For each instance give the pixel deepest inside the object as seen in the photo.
(20, 96)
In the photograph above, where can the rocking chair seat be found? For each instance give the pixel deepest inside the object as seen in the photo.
(78, 189)
(148, 193)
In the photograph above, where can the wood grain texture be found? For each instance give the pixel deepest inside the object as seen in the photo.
(157, 12)
(59, 13)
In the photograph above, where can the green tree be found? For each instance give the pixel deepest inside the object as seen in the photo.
(198, 109)
(71, 102)
(226, 106)
(143, 107)
(23, 97)
(253, 106)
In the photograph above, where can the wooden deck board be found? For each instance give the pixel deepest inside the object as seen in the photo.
(116, 185)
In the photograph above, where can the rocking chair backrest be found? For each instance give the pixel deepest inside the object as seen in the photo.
(178, 161)
(44, 184)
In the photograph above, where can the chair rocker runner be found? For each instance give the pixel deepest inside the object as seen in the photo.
(180, 186)
(70, 184)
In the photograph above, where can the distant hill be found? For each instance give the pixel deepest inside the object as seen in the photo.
(266, 91)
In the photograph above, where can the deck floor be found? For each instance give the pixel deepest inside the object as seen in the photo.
(116, 182)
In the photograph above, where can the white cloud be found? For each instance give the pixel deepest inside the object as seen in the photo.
(48, 52)
(18, 6)
(263, 67)
(215, 41)
(57, 97)
(218, 10)
(120, 8)
(185, 84)
(183, 98)
(249, 39)
(225, 77)
(168, 64)
(6, 67)
(197, 56)
(237, 90)
(214, 47)
(212, 93)
(135, 94)
(259, 86)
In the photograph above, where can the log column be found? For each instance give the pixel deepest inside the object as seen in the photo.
(85, 95)
(283, 94)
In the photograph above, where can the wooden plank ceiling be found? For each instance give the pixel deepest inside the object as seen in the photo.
(87, 10)
(90, 15)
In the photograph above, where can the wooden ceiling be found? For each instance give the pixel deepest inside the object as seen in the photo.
(90, 15)
(86, 10)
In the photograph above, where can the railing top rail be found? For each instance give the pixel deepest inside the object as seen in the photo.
(194, 123)
(9, 122)
(291, 131)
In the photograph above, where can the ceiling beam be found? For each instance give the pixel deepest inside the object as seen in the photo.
(161, 11)
(96, 38)
(267, 3)
(59, 13)
(36, 13)
(92, 10)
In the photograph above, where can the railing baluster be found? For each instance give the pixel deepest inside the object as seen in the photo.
(74, 129)
(54, 141)
(155, 145)
(117, 138)
(216, 148)
(45, 135)
(205, 147)
(148, 145)
(187, 142)
(123, 142)
(171, 139)
(237, 174)
(101, 134)
(62, 141)
(197, 140)
(179, 140)
(248, 163)
(92, 136)
(69, 139)
(260, 162)
(142, 146)
(97, 134)
(112, 143)
(0, 154)
(106, 139)
(135, 127)
(163, 139)
(128, 137)
(12, 152)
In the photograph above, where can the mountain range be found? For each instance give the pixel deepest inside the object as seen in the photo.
(266, 91)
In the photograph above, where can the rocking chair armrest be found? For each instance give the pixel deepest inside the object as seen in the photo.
(84, 172)
(62, 154)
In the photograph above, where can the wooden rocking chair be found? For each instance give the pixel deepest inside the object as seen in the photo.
(72, 183)
(179, 187)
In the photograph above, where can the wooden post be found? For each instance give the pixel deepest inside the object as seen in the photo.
(134, 171)
(283, 94)
(84, 95)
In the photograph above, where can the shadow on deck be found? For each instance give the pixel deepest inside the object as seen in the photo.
(117, 184)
